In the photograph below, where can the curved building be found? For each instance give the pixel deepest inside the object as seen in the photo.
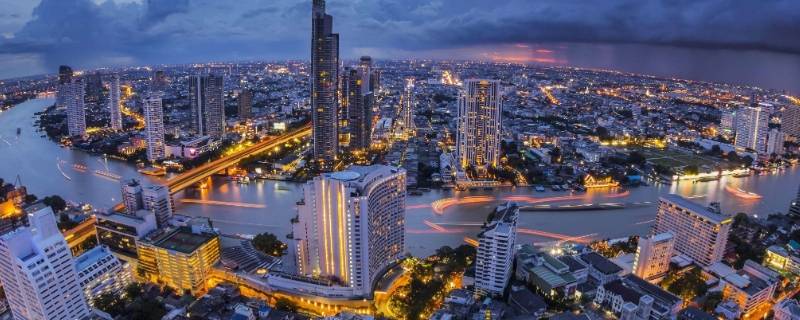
(351, 226)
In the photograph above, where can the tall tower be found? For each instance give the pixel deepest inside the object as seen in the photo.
(207, 100)
(132, 196)
(156, 198)
(357, 101)
(154, 127)
(64, 77)
(479, 110)
(495, 254)
(75, 104)
(324, 82)
(351, 227)
(752, 128)
(407, 108)
(114, 103)
(245, 104)
(38, 272)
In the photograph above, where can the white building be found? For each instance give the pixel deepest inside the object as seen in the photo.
(496, 251)
(99, 272)
(156, 199)
(38, 272)
(652, 257)
(132, 196)
(701, 233)
(775, 142)
(480, 107)
(787, 309)
(76, 111)
(750, 288)
(351, 225)
(751, 131)
(114, 104)
(790, 120)
(154, 128)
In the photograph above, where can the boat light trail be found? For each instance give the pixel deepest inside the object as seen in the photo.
(224, 203)
(471, 241)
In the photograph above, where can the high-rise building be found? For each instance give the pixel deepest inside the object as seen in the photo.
(775, 140)
(207, 100)
(752, 129)
(407, 106)
(121, 231)
(38, 272)
(245, 104)
(180, 258)
(357, 103)
(790, 120)
(114, 104)
(159, 81)
(479, 124)
(701, 233)
(653, 254)
(64, 77)
(154, 127)
(727, 122)
(324, 80)
(73, 93)
(94, 87)
(351, 225)
(156, 199)
(99, 272)
(132, 196)
(494, 260)
(794, 207)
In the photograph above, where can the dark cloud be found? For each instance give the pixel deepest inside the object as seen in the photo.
(87, 34)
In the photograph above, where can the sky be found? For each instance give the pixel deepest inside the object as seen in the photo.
(741, 36)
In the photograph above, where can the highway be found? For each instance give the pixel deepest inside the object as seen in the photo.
(202, 172)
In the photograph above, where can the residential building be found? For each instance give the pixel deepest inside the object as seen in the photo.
(790, 120)
(154, 127)
(156, 199)
(407, 107)
(549, 276)
(601, 269)
(38, 272)
(526, 303)
(100, 272)
(65, 75)
(751, 288)
(351, 225)
(775, 140)
(114, 104)
(751, 132)
(180, 258)
(121, 231)
(207, 101)
(786, 309)
(700, 233)
(632, 298)
(132, 196)
(324, 83)
(357, 103)
(780, 259)
(76, 110)
(652, 257)
(495, 254)
(479, 124)
(245, 103)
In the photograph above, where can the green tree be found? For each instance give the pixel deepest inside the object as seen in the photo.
(285, 305)
(269, 244)
(110, 303)
(687, 285)
(55, 202)
(712, 300)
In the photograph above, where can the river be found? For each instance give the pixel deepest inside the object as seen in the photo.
(436, 218)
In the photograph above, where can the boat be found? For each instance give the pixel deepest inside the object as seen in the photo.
(708, 179)
(555, 187)
(153, 171)
(741, 175)
(245, 236)
(244, 180)
(739, 193)
(108, 174)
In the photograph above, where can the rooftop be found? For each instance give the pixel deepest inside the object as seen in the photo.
(600, 263)
(91, 257)
(183, 240)
(696, 208)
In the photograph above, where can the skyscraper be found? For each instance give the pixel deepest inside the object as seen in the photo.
(495, 255)
(154, 127)
(64, 77)
(132, 196)
(790, 120)
(407, 105)
(479, 110)
(156, 199)
(38, 272)
(751, 131)
(207, 100)
(94, 87)
(775, 139)
(351, 225)
(159, 81)
(653, 254)
(76, 110)
(114, 104)
(358, 107)
(324, 80)
(245, 104)
(700, 233)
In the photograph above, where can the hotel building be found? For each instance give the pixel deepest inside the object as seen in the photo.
(700, 233)
(99, 272)
(493, 265)
(653, 254)
(180, 258)
(480, 107)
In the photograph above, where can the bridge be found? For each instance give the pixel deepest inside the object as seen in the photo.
(188, 178)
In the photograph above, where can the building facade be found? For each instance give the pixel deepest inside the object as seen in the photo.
(752, 128)
(180, 258)
(114, 104)
(700, 233)
(76, 110)
(358, 104)
(775, 140)
(38, 272)
(156, 199)
(653, 254)
(479, 124)
(324, 86)
(493, 264)
(245, 104)
(132, 196)
(154, 128)
(790, 120)
(100, 272)
(65, 75)
(207, 101)
(351, 225)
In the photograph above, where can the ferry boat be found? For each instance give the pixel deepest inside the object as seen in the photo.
(739, 193)
(108, 174)
(708, 179)
(153, 171)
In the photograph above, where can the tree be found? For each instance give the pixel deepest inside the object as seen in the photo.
(602, 133)
(30, 198)
(687, 285)
(691, 169)
(636, 158)
(269, 244)
(712, 300)
(110, 303)
(285, 305)
(55, 202)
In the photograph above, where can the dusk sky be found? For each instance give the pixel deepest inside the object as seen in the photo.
(670, 37)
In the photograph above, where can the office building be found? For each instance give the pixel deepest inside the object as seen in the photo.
(114, 104)
(493, 264)
(653, 254)
(99, 272)
(38, 272)
(132, 196)
(552, 277)
(324, 80)
(154, 128)
(245, 104)
(351, 225)
(73, 93)
(207, 101)
(479, 125)
(790, 120)
(156, 199)
(751, 132)
(180, 258)
(775, 140)
(357, 103)
(700, 233)
(64, 76)
(121, 232)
